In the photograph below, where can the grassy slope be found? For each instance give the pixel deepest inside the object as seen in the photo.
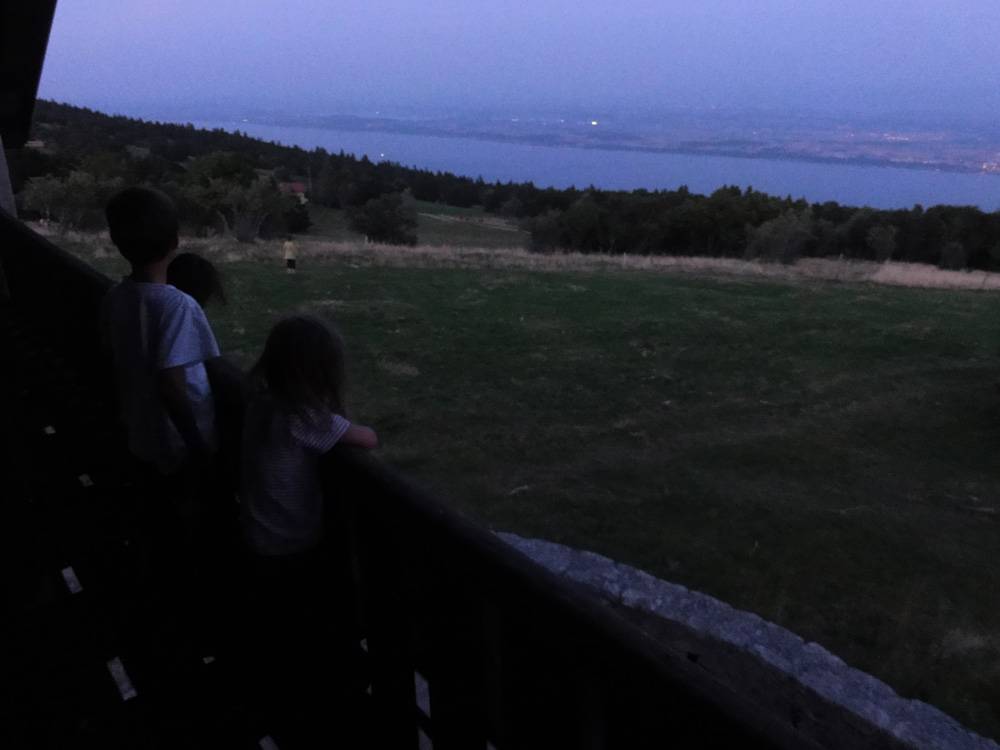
(818, 453)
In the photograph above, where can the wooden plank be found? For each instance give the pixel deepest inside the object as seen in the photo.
(457, 655)
(390, 659)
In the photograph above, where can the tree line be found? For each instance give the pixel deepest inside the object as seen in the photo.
(230, 182)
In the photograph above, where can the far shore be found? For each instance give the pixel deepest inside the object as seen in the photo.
(769, 152)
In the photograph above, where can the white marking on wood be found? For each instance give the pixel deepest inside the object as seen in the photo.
(85, 480)
(364, 645)
(121, 678)
(268, 743)
(208, 659)
(423, 741)
(423, 691)
(72, 582)
(49, 430)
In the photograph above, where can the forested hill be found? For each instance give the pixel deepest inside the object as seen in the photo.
(231, 182)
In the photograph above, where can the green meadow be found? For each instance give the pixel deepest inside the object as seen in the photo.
(823, 454)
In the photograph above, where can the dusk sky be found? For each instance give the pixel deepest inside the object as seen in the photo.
(309, 56)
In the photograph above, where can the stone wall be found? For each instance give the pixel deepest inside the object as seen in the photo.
(806, 688)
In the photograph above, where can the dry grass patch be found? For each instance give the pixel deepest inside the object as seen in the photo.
(359, 255)
(807, 269)
(929, 277)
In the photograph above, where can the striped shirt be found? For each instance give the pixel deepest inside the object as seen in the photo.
(282, 497)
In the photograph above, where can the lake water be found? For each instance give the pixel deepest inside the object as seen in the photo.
(879, 187)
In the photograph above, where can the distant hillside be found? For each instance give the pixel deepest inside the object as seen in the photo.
(226, 182)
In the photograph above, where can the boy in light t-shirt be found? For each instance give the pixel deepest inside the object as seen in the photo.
(159, 338)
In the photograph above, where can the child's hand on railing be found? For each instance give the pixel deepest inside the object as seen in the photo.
(360, 436)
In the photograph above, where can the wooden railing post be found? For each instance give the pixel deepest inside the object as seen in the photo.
(387, 629)
(457, 657)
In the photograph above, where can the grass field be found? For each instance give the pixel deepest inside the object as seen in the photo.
(824, 454)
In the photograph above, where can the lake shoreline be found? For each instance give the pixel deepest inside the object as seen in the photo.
(403, 128)
(894, 187)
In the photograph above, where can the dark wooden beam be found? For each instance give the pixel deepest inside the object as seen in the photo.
(24, 36)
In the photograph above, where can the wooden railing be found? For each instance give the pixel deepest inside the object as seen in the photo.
(498, 651)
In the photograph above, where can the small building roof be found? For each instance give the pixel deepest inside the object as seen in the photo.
(292, 187)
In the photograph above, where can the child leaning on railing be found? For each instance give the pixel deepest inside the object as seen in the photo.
(295, 416)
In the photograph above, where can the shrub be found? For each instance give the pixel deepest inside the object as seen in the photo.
(953, 256)
(783, 239)
(385, 219)
(881, 240)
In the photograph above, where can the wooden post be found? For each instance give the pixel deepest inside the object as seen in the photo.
(6, 191)
(387, 630)
(457, 657)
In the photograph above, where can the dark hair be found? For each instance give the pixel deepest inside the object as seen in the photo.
(302, 366)
(196, 276)
(143, 224)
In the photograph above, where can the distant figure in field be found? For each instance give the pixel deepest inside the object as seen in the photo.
(296, 416)
(197, 277)
(290, 251)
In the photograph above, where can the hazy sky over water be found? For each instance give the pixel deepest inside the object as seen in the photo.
(853, 56)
